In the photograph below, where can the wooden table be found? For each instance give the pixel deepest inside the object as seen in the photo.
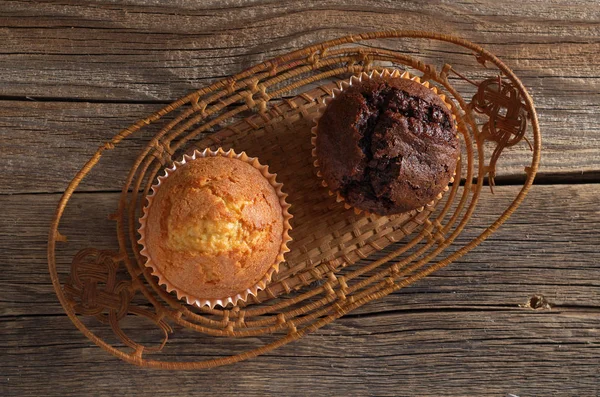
(519, 315)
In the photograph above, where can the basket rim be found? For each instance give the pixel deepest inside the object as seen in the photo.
(136, 358)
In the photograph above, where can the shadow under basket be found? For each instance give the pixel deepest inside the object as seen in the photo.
(336, 262)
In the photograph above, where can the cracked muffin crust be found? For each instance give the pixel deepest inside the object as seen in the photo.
(214, 228)
(387, 145)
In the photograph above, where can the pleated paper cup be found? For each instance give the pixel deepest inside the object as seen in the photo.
(158, 268)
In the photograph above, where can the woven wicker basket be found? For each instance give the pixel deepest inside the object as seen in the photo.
(268, 112)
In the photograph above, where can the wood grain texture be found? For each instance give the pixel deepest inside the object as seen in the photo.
(519, 315)
(467, 329)
(44, 144)
(481, 353)
(140, 51)
(551, 241)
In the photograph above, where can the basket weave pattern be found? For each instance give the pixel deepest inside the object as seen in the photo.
(317, 283)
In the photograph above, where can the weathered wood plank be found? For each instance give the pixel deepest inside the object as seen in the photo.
(547, 248)
(468, 329)
(44, 144)
(143, 51)
(483, 353)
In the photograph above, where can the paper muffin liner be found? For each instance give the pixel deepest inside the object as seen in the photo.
(385, 73)
(198, 301)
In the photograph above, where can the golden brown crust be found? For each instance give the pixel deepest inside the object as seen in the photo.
(215, 227)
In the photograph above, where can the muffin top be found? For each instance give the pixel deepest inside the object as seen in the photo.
(387, 145)
(214, 228)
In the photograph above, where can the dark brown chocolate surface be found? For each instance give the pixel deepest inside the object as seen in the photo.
(387, 145)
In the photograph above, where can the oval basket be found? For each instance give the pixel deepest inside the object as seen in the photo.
(339, 260)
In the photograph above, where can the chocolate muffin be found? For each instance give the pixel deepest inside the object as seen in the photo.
(215, 229)
(387, 145)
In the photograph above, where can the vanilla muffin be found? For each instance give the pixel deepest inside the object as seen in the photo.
(215, 229)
